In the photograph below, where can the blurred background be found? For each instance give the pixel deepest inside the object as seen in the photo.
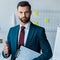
(45, 13)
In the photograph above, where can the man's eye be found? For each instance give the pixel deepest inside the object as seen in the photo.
(27, 11)
(20, 12)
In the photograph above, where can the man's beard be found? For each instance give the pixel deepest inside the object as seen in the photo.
(25, 20)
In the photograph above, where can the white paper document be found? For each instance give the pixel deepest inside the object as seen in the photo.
(56, 53)
(26, 54)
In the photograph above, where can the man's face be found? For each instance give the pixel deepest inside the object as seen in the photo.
(24, 14)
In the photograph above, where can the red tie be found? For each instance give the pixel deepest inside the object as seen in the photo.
(21, 38)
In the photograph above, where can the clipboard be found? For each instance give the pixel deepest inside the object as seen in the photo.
(26, 54)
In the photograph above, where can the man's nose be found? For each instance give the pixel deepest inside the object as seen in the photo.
(24, 14)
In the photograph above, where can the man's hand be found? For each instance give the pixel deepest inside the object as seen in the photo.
(6, 49)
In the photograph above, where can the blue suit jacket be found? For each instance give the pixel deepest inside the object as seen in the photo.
(36, 41)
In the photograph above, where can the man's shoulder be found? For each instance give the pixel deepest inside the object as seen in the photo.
(38, 27)
(15, 27)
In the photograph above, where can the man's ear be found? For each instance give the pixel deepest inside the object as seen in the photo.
(30, 12)
(17, 13)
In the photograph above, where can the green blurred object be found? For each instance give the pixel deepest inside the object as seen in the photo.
(35, 22)
(46, 20)
(36, 13)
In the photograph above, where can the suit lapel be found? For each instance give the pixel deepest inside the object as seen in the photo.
(30, 33)
(16, 35)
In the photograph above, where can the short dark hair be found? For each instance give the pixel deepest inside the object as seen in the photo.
(24, 3)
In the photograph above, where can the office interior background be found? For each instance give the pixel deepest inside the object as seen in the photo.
(45, 13)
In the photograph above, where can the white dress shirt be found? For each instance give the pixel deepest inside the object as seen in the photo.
(27, 26)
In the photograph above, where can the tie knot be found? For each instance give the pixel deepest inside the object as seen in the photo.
(22, 27)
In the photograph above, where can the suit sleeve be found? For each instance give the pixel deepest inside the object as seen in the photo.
(8, 40)
(44, 45)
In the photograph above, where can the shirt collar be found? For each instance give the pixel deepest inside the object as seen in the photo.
(27, 25)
